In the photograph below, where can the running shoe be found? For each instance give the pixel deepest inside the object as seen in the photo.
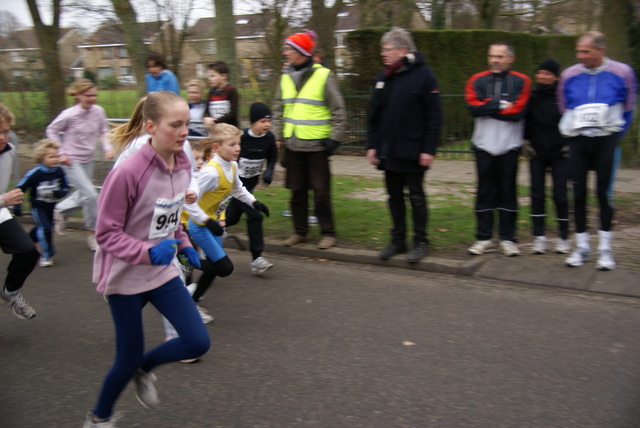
(605, 260)
(146, 393)
(46, 262)
(109, 423)
(509, 248)
(578, 257)
(539, 245)
(206, 318)
(312, 220)
(18, 305)
(479, 247)
(562, 246)
(260, 265)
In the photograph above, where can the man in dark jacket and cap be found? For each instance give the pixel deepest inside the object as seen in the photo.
(403, 129)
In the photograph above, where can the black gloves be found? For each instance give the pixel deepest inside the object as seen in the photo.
(214, 227)
(267, 176)
(330, 145)
(17, 210)
(261, 207)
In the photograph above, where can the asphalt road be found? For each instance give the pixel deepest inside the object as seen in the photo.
(314, 343)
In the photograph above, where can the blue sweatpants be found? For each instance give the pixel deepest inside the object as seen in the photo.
(173, 301)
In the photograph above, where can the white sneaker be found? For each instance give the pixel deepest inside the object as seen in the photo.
(578, 257)
(479, 247)
(605, 260)
(206, 318)
(260, 265)
(59, 223)
(146, 393)
(191, 288)
(91, 242)
(109, 423)
(509, 248)
(539, 245)
(46, 262)
(18, 305)
(562, 246)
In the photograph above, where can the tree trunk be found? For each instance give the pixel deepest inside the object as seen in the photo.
(48, 36)
(133, 37)
(615, 22)
(323, 22)
(226, 37)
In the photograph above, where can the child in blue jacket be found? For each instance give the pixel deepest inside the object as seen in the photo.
(47, 184)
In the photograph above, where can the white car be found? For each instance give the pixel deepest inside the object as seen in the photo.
(127, 80)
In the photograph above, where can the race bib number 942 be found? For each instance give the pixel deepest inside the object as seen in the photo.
(166, 216)
(592, 115)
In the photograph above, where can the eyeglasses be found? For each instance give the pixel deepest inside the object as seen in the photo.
(6, 132)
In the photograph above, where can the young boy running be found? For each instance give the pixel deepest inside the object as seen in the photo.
(48, 184)
(257, 145)
(217, 182)
(222, 102)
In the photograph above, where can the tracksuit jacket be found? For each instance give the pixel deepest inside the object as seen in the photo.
(497, 131)
(130, 206)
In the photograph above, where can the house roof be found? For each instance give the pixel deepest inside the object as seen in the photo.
(113, 34)
(348, 19)
(27, 39)
(253, 25)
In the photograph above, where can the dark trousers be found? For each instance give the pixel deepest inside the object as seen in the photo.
(15, 241)
(173, 301)
(592, 153)
(559, 175)
(496, 191)
(396, 182)
(234, 211)
(42, 232)
(310, 171)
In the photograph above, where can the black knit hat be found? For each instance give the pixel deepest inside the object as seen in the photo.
(258, 111)
(551, 65)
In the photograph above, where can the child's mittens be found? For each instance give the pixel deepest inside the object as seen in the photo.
(164, 251)
(189, 257)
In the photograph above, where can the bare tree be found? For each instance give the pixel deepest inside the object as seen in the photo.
(48, 36)
(8, 23)
(615, 23)
(225, 35)
(133, 36)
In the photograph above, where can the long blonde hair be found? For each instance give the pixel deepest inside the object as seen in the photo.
(121, 136)
(79, 86)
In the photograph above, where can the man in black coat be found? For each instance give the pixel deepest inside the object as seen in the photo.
(403, 128)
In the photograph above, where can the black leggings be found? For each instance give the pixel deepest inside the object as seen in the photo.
(592, 153)
(538, 169)
(15, 241)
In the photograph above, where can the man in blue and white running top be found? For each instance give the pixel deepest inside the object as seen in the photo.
(597, 98)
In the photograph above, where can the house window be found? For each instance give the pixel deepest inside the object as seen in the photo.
(18, 57)
(17, 73)
(123, 53)
(107, 53)
(104, 72)
(340, 40)
(126, 71)
(209, 48)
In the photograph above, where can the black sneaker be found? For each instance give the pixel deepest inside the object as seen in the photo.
(391, 250)
(418, 252)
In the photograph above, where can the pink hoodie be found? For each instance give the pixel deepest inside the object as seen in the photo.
(139, 205)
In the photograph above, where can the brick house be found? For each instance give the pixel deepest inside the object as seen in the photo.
(105, 52)
(20, 53)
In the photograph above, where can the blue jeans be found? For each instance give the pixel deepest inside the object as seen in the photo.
(173, 301)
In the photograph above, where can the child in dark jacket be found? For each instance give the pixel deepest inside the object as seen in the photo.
(48, 184)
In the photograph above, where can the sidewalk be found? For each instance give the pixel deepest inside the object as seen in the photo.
(540, 270)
